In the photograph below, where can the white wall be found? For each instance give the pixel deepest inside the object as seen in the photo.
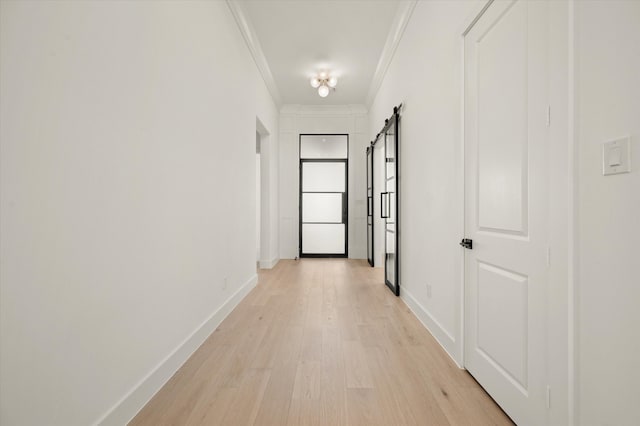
(127, 180)
(425, 75)
(296, 120)
(608, 107)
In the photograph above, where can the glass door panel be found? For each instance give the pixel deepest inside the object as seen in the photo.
(370, 205)
(389, 205)
(322, 207)
(323, 176)
(323, 238)
(323, 195)
(323, 146)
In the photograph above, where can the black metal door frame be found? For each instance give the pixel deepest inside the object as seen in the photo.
(394, 120)
(345, 197)
(370, 221)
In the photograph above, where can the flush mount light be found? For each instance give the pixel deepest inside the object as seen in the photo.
(323, 91)
(324, 82)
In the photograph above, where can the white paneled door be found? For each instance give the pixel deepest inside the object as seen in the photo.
(506, 206)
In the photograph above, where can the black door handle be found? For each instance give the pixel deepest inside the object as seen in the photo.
(384, 212)
(345, 204)
(467, 243)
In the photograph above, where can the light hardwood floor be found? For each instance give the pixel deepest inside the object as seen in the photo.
(321, 342)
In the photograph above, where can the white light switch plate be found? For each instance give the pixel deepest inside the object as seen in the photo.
(616, 156)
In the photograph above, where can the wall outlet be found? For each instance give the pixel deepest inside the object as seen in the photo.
(224, 283)
(429, 291)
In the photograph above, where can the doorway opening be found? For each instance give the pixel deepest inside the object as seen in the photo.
(266, 247)
(258, 204)
(323, 198)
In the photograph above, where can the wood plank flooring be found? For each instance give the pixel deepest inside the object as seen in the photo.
(321, 342)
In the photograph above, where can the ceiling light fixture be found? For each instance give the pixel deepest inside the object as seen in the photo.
(324, 82)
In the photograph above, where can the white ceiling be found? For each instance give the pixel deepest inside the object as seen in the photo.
(300, 38)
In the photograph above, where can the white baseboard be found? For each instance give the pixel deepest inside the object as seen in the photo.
(269, 264)
(442, 336)
(130, 404)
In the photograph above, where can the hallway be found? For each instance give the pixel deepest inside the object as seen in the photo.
(321, 342)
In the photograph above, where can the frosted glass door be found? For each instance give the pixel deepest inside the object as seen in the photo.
(323, 195)
(370, 205)
(389, 206)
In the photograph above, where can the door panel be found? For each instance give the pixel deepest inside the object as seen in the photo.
(323, 199)
(323, 238)
(389, 205)
(370, 228)
(323, 176)
(506, 206)
(502, 138)
(502, 318)
(322, 207)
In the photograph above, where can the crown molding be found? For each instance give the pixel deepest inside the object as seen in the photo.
(254, 47)
(323, 110)
(393, 40)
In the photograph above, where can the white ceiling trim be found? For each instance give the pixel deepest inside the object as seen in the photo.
(256, 50)
(393, 40)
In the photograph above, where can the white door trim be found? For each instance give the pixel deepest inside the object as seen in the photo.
(573, 253)
(465, 28)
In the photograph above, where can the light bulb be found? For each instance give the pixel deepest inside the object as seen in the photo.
(323, 91)
(332, 81)
(322, 75)
(315, 82)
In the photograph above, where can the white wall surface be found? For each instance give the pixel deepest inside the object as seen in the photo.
(127, 181)
(425, 75)
(296, 120)
(608, 107)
